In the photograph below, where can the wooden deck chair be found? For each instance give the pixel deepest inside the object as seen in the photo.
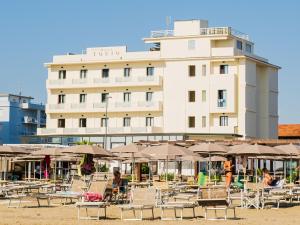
(141, 199)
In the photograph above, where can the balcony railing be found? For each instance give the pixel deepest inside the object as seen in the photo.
(97, 130)
(211, 31)
(107, 82)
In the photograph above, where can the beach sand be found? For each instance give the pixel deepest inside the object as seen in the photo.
(30, 214)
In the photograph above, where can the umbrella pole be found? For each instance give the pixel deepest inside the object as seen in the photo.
(291, 161)
(256, 167)
(34, 170)
(40, 169)
(133, 170)
(209, 168)
(5, 167)
(167, 169)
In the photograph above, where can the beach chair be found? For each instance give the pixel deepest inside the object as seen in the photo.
(14, 193)
(96, 188)
(76, 190)
(215, 199)
(179, 204)
(141, 199)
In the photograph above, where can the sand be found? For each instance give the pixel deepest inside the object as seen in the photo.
(30, 214)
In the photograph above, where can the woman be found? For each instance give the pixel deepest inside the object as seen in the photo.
(228, 167)
(268, 179)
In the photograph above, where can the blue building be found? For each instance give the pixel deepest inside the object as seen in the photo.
(19, 118)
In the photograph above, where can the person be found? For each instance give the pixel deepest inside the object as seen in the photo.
(228, 167)
(268, 179)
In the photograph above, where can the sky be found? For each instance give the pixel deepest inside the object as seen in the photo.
(32, 31)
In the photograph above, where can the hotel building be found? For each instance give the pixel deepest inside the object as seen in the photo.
(194, 82)
(19, 118)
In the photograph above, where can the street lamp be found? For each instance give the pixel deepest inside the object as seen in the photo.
(106, 121)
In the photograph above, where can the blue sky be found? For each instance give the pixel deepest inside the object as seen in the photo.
(31, 32)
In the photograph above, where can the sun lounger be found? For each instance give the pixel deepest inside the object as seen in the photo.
(215, 199)
(141, 199)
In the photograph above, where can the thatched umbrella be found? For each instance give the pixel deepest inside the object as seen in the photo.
(166, 151)
(94, 150)
(291, 150)
(209, 149)
(255, 150)
(132, 151)
(8, 150)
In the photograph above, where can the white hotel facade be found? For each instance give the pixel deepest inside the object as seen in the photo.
(195, 82)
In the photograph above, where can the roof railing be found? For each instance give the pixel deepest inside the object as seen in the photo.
(211, 31)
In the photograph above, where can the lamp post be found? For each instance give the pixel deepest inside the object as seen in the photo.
(106, 121)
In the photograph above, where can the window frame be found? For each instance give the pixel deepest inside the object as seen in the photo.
(149, 93)
(82, 99)
(127, 72)
(105, 73)
(224, 69)
(192, 70)
(239, 45)
(103, 100)
(149, 71)
(61, 99)
(222, 102)
(203, 121)
(127, 97)
(192, 96)
(104, 122)
(127, 121)
(82, 122)
(191, 121)
(61, 123)
(149, 121)
(204, 69)
(223, 121)
(83, 74)
(62, 74)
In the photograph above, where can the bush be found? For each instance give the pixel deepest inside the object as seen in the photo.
(145, 169)
(170, 176)
(103, 168)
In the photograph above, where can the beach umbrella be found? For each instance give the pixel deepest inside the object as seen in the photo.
(209, 149)
(216, 159)
(254, 150)
(48, 151)
(132, 150)
(291, 150)
(8, 150)
(94, 150)
(166, 152)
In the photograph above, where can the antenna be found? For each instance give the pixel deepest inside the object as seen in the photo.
(168, 22)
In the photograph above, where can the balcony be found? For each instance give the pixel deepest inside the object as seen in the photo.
(30, 120)
(140, 106)
(99, 131)
(105, 82)
(226, 82)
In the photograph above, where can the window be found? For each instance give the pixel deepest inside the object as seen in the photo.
(126, 96)
(105, 73)
(222, 95)
(82, 122)
(127, 72)
(248, 48)
(223, 121)
(203, 96)
(82, 98)
(61, 99)
(104, 97)
(191, 44)
(62, 74)
(192, 96)
(149, 121)
(149, 96)
(150, 71)
(203, 70)
(83, 74)
(239, 45)
(203, 121)
(104, 122)
(126, 121)
(61, 123)
(192, 70)
(223, 69)
(191, 121)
